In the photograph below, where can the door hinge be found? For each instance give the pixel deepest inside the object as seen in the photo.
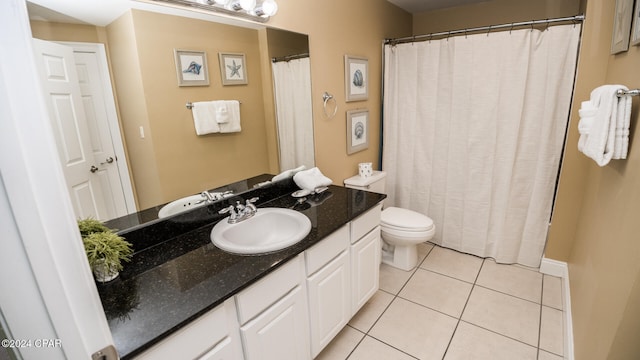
(107, 353)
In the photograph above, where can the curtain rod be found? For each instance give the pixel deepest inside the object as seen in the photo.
(290, 57)
(408, 39)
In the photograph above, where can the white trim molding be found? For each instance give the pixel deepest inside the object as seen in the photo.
(561, 269)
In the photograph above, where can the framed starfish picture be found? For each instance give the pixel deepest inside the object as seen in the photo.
(191, 67)
(233, 68)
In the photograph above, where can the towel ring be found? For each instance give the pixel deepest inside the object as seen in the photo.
(325, 98)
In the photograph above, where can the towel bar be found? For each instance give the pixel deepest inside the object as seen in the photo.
(634, 92)
(190, 104)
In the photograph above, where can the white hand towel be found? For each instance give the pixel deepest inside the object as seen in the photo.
(621, 142)
(311, 179)
(233, 112)
(204, 118)
(288, 173)
(222, 114)
(587, 114)
(597, 141)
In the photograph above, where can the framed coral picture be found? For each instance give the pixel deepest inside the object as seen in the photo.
(635, 30)
(621, 26)
(191, 67)
(357, 130)
(233, 69)
(356, 74)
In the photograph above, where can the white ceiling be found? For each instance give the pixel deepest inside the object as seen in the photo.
(418, 6)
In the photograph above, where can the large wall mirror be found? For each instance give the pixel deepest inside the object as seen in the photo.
(162, 158)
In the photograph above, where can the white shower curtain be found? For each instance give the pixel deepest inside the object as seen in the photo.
(473, 133)
(292, 85)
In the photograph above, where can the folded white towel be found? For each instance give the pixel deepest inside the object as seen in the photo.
(222, 114)
(204, 117)
(311, 179)
(232, 123)
(288, 173)
(598, 129)
(621, 141)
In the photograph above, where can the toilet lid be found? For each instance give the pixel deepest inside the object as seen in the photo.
(405, 219)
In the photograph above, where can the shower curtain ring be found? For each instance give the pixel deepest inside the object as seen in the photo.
(511, 29)
(489, 30)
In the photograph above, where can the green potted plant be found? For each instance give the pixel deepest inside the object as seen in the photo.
(105, 249)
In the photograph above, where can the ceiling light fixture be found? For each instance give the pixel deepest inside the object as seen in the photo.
(267, 8)
(259, 11)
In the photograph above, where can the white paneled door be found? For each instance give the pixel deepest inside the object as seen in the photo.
(77, 109)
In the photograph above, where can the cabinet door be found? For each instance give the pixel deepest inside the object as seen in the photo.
(329, 301)
(281, 332)
(365, 269)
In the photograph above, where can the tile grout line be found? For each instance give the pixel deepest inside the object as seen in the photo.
(540, 322)
(463, 309)
(395, 296)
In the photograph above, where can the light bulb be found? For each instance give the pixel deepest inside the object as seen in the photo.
(247, 5)
(267, 8)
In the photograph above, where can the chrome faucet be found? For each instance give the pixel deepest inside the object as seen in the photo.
(213, 196)
(239, 212)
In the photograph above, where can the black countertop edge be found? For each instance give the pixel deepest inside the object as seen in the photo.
(173, 282)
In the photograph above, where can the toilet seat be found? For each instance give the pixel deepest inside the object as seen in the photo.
(405, 220)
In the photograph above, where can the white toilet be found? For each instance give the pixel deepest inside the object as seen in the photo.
(401, 229)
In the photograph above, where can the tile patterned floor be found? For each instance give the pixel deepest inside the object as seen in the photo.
(456, 306)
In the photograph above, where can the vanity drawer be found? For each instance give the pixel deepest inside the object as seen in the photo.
(365, 223)
(259, 296)
(327, 249)
(217, 326)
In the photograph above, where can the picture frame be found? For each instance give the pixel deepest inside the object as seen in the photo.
(191, 67)
(635, 29)
(621, 26)
(357, 130)
(356, 78)
(233, 69)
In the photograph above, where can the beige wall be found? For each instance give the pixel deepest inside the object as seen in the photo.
(184, 162)
(596, 228)
(336, 28)
(491, 13)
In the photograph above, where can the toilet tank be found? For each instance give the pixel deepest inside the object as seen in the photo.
(373, 183)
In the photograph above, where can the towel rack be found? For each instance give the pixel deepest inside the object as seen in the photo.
(190, 104)
(634, 92)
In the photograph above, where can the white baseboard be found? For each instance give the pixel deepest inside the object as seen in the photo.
(561, 269)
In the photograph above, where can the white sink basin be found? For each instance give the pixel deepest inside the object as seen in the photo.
(182, 205)
(269, 229)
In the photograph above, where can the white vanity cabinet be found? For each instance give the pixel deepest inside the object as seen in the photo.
(274, 317)
(213, 336)
(329, 288)
(365, 257)
(293, 312)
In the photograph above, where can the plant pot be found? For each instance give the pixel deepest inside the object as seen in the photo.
(102, 274)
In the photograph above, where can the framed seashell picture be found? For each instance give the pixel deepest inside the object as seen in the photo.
(356, 73)
(191, 67)
(357, 130)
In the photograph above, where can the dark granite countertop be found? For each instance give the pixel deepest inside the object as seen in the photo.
(172, 281)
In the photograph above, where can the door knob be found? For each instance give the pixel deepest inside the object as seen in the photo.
(93, 168)
(108, 161)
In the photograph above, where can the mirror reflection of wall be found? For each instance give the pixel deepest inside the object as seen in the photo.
(166, 159)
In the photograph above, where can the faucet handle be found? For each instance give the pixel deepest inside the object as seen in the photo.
(229, 209)
(250, 204)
